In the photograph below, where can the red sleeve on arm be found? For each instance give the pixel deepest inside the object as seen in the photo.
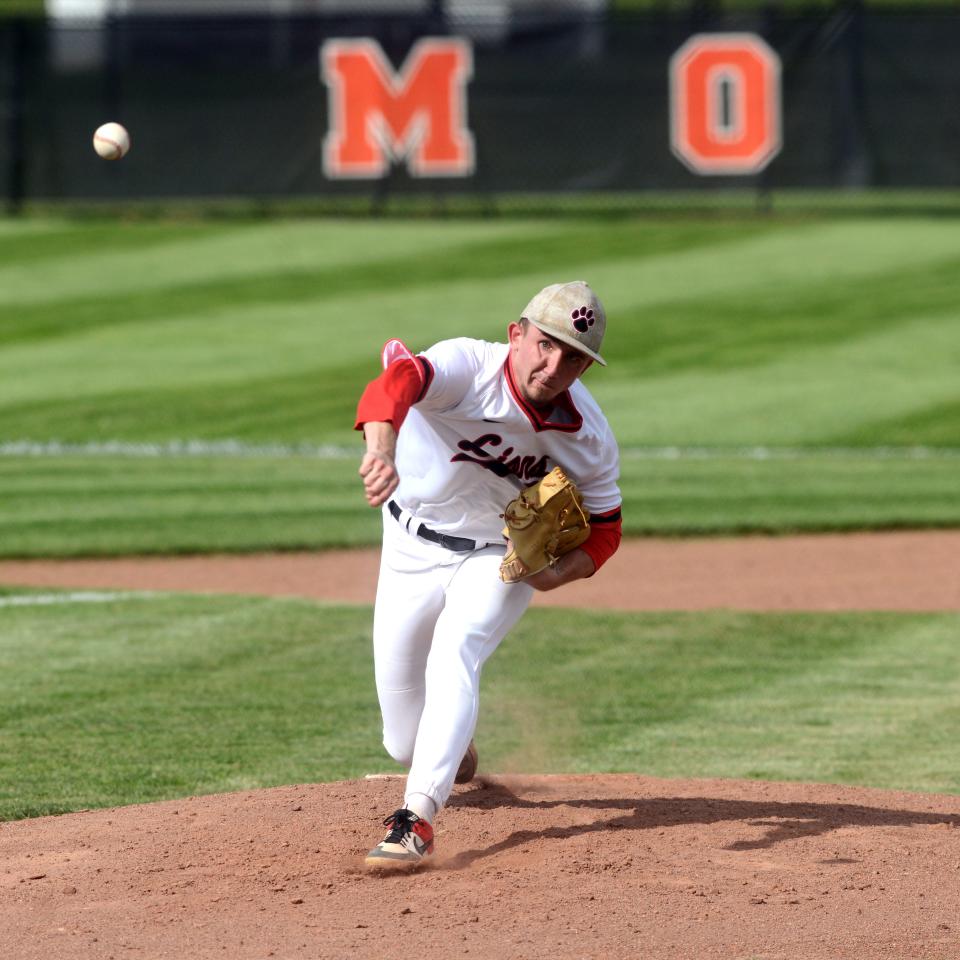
(390, 396)
(606, 530)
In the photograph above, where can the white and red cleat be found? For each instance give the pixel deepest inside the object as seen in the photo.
(409, 841)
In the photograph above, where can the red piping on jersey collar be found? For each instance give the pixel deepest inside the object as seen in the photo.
(564, 401)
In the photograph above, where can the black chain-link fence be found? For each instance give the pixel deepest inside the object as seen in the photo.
(559, 99)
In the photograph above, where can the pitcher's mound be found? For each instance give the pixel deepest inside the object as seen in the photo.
(535, 867)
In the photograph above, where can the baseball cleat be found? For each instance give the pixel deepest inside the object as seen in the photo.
(468, 765)
(409, 841)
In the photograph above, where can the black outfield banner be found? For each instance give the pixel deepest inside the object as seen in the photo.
(268, 107)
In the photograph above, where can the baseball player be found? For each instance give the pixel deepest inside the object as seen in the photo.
(452, 435)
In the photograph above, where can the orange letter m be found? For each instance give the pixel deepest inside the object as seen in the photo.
(378, 116)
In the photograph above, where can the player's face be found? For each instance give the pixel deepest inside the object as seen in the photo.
(543, 367)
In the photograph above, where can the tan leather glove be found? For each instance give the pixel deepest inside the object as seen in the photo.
(545, 522)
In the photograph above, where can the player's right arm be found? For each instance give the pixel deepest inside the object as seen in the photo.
(406, 380)
(378, 468)
(380, 413)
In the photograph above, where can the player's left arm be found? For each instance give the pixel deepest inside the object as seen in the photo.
(576, 565)
(601, 495)
(585, 560)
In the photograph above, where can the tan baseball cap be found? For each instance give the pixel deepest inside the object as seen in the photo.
(570, 312)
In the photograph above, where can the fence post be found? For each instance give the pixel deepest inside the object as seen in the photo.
(852, 158)
(17, 41)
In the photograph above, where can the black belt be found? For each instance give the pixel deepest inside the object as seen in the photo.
(459, 544)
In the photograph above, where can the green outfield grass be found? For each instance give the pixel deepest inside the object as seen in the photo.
(819, 335)
(142, 698)
(86, 506)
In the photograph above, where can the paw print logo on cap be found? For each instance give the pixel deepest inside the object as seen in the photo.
(582, 319)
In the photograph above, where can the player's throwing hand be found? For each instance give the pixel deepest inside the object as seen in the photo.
(378, 468)
(380, 477)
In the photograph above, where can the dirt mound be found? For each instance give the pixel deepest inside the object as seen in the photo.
(585, 866)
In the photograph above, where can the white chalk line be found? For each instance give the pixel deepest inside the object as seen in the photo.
(84, 596)
(790, 453)
(175, 448)
(236, 448)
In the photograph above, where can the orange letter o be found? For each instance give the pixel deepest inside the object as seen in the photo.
(725, 103)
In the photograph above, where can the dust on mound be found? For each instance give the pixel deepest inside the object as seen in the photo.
(586, 866)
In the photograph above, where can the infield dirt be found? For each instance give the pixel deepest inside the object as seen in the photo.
(591, 866)
(536, 867)
(907, 570)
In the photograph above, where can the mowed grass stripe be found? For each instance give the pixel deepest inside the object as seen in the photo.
(842, 392)
(239, 449)
(261, 340)
(129, 687)
(852, 671)
(853, 711)
(677, 261)
(774, 334)
(197, 254)
(744, 330)
(937, 424)
(319, 403)
(811, 493)
(485, 254)
(770, 254)
(82, 506)
(101, 704)
(705, 332)
(106, 506)
(313, 285)
(807, 396)
(42, 243)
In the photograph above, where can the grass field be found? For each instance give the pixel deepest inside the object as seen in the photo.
(137, 698)
(190, 385)
(830, 343)
(79, 505)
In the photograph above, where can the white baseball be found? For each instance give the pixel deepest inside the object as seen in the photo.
(111, 141)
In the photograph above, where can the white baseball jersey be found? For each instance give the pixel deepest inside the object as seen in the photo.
(473, 441)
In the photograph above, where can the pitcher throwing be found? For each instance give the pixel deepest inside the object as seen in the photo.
(452, 436)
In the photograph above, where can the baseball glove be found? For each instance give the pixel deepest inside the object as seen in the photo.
(545, 522)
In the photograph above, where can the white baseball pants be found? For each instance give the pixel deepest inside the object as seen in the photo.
(438, 617)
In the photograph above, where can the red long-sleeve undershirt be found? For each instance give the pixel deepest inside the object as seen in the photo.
(605, 536)
(388, 399)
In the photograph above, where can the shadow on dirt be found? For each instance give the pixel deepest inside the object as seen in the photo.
(785, 821)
